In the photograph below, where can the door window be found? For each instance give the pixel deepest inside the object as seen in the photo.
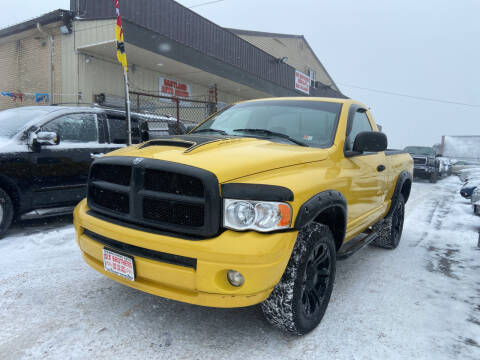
(359, 124)
(78, 128)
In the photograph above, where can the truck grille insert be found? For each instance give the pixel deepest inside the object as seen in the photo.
(172, 183)
(116, 174)
(173, 212)
(419, 161)
(112, 200)
(156, 194)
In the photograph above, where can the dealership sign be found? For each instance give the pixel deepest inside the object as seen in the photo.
(174, 88)
(302, 82)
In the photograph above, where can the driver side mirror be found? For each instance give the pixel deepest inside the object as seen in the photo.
(36, 140)
(47, 138)
(370, 141)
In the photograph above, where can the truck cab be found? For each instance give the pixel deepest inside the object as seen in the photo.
(426, 165)
(46, 152)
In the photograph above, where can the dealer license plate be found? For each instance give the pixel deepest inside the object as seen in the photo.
(121, 265)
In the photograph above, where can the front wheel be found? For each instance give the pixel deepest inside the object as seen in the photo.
(299, 301)
(433, 178)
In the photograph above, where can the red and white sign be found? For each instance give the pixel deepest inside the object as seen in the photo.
(302, 82)
(118, 264)
(174, 88)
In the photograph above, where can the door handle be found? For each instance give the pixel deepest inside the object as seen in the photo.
(380, 168)
(96, 155)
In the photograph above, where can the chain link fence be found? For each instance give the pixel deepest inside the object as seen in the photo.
(189, 111)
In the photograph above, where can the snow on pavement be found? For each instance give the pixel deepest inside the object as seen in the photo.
(419, 301)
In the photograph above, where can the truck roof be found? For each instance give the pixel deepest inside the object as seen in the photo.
(308, 98)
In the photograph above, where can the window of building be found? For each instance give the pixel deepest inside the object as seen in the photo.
(313, 77)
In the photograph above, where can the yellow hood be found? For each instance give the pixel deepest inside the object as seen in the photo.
(227, 158)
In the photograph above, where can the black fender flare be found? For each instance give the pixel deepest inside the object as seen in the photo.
(319, 203)
(402, 178)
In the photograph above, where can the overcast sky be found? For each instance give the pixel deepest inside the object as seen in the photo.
(428, 48)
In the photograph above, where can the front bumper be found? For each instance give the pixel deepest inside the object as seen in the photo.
(261, 258)
(423, 171)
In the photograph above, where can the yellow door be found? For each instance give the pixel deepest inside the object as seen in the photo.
(366, 173)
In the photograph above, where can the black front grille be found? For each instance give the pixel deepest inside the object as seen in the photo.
(156, 194)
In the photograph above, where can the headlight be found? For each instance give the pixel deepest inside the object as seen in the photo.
(256, 215)
(476, 195)
(430, 161)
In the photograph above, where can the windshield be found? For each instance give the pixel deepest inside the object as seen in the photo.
(14, 120)
(312, 123)
(420, 150)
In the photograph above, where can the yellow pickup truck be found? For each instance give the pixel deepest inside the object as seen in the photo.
(255, 205)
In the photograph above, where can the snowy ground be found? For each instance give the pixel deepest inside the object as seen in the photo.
(421, 301)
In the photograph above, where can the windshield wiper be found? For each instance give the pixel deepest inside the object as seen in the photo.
(210, 130)
(272, 133)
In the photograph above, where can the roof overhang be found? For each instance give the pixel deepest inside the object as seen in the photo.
(58, 15)
(169, 67)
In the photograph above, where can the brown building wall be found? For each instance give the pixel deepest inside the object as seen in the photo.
(25, 66)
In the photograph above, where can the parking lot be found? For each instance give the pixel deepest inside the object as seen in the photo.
(420, 301)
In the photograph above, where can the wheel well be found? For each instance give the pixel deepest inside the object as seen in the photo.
(406, 187)
(334, 218)
(9, 187)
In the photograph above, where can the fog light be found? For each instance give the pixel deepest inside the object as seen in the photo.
(235, 278)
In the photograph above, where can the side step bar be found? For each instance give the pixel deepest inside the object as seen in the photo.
(41, 213)
(356, 244)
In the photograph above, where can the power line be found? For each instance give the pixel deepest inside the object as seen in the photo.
(409, 96)
(205, 3)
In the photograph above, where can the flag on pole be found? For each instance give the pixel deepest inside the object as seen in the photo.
(121, 55)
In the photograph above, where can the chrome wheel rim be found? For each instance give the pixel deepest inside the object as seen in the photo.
(1, 214)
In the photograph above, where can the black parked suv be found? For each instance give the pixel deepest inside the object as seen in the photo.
(46, 151)
(425, 163)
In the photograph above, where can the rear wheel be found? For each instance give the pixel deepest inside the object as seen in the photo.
(299, 301)
(391, 227)
(6, 212)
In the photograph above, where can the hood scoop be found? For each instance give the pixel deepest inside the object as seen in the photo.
(191, 142)
(168, 142)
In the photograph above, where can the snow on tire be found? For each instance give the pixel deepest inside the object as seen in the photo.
(6, 212)
(389, 229)
(299, 301)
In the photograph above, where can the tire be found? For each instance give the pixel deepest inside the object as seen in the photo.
(390, 228)
(299, 301)
(6, 212)
(476, 209)
(433, 178)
